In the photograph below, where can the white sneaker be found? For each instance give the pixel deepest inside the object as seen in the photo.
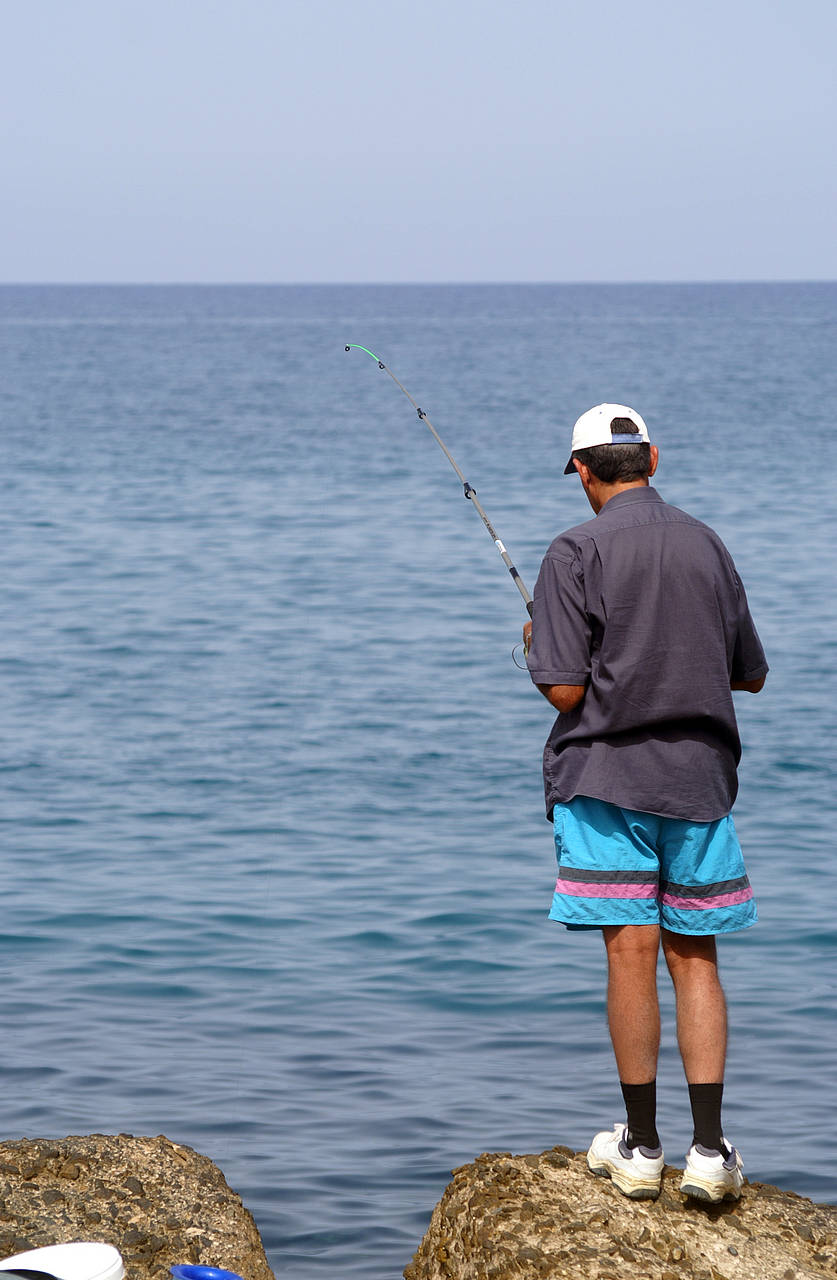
(637, 1173)
(709, 1176)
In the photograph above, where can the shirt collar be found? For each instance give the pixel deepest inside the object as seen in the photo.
(642, 493)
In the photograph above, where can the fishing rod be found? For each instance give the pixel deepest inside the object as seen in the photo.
(470, 491)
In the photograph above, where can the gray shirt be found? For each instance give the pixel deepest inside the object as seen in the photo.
(643, 605)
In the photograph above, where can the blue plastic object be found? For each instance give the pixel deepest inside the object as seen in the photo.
(203, 1273)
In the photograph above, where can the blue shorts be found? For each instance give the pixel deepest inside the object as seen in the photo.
(621, 866)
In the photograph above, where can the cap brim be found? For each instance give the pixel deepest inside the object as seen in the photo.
(570, 467)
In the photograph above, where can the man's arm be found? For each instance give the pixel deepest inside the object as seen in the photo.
(748, 654)
(749, 686)
(557, 639)
(566, 697)
(563, 697)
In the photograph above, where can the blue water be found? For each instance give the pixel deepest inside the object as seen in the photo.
(276, 869)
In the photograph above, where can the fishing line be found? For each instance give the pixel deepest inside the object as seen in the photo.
(469, 490)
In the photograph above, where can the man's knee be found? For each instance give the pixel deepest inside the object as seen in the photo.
(632, 943)
(689, 954)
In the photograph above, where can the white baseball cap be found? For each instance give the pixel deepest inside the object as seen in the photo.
(593, 427)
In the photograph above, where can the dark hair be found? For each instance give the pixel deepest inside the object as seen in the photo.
(612, 463)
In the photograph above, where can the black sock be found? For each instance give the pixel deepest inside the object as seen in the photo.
(641, 1105)
(706, 1114)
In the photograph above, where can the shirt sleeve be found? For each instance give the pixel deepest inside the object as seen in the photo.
(748, 660)
(560, 648)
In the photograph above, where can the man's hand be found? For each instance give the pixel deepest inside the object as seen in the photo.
(527, 636)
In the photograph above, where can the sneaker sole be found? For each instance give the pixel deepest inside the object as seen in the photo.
(709, 1192)
(633, 1188)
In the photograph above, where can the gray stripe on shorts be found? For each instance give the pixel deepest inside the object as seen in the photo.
(705, 890)
(606, 877)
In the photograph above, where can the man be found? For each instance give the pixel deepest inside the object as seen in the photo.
(640, 631)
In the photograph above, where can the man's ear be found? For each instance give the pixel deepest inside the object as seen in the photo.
(655, 458)
(583, 471)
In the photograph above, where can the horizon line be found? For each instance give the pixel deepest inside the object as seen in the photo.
(401, 284)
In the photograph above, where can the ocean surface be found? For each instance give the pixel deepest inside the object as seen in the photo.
(275, 867)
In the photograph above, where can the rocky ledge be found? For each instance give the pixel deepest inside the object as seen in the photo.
(545, 1217)
(158, 1202)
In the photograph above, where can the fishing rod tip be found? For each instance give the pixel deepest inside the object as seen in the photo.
(348, 348)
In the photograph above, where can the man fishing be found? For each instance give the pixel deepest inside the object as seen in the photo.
(639, 633)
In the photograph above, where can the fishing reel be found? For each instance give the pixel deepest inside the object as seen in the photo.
(524, 644)
(525, 648)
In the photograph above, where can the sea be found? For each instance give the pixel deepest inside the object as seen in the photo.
(276, 869)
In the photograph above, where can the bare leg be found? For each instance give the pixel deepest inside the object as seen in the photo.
(701, 1007)
(633, 1011)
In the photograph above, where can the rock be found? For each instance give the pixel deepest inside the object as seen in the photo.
(158, 1202)
(547, 1218)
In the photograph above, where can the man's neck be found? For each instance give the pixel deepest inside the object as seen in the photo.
(599, 493)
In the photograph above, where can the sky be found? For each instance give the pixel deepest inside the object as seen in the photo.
(259, 141)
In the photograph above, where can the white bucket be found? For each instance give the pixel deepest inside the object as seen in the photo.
(83, 1260)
